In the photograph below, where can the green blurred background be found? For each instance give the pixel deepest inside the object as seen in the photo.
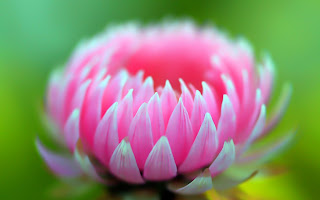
(36, 36)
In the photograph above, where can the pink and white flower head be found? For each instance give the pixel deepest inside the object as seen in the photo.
(161, 103)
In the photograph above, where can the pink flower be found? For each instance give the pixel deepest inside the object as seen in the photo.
(151, 103)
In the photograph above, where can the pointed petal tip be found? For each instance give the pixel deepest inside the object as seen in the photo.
(201, 184)
(160, 164)
(106, 136)
(140, 135)
(182, 83)
(168, 84)
(207, 116)
(226, 98)
(203, 149)
(104, 82)
(225, 158)
(258, 95)
(71, 129)
(155, 96)
(123, 163)
(61, 165)
(179, 132)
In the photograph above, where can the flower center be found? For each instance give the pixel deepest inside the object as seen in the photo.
(170, 57)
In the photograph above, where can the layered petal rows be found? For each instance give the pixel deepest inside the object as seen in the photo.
(151, 103)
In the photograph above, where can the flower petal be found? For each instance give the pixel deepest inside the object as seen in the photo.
(225, 182)
(245, 89)
(199, 185)
(227, 122)
(85, 163)
(71, 129)
(204, 147)
(125, 115)
(61, 165)
(186, 97)
(156, 117)
(211, 102)
(231, 92)
(168, 101)
(134, 83)
(279, 109)
(267, 151)
(144, 93)
(266, 74)
(255, 111)
(198, 112)
(123, 163)
(225, 158)
(91, 111)
(106, 137)
(160, 163)
(256, 132)
(113, 92)
(260, 124)
(140, 135)
(61, 99)
(79, 96)
(53, 102)
(179, 133)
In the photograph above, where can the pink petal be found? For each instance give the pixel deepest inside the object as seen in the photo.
(143, 95)
(179, 133)
(260, 124)
(61, 165)
(266, 78)
(231, 92)
(106, 57)
(168, 101)
(211, 102)
(52, 129)
(106, 137)
(125, 115)
(279, 109)
(71, 130)
(192, 88)
(123, 164)
(91, 111)
(140, 135)
(252, 118)
(160, 163)
(256, 132)
(54, 90)
(247, 106)
(225, 158)
(227, 121)
(85, 163)
(134, 83)
(156, 117)
(77, 89)
(61, 99)
(80, 94)
(245, 89)
(113, 92)
(198, 112)
(186, 97)
(199, 185)
(204, 147)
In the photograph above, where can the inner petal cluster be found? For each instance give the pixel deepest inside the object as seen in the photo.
(156, 102)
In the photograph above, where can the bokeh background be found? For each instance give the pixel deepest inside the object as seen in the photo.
(36, 36)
